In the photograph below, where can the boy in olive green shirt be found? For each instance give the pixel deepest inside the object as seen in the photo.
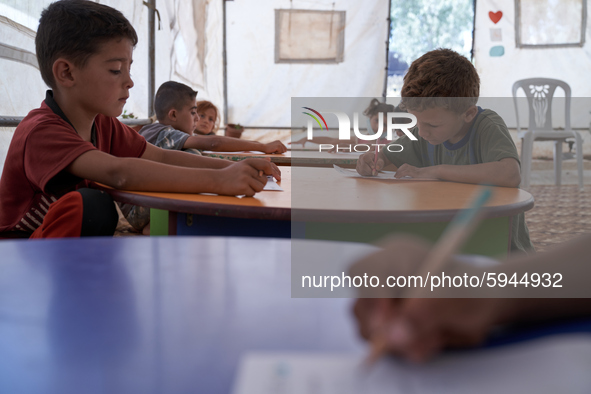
(455, 140)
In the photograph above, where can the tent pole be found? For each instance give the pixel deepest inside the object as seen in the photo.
(225, 63)
(387, 48)
(151, 51)
(473, 30)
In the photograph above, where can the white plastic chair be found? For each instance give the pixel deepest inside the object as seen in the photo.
(539, 93)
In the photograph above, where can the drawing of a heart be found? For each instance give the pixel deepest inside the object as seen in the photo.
(495, 16)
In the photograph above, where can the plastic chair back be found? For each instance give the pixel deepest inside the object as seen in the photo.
(539, 93)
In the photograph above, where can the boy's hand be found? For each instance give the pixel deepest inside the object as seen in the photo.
(416, 172)
(247, 177)
(274, 147)
(418, 328)
(276, 171)
(367, 166)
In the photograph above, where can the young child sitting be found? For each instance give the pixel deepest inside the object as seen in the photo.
(85, 53)
(456, 140)
(177, 113)
(208, 122)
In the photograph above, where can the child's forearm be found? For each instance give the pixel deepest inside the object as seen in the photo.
(228, 144)
(162, 177)
(500, 173)
(145, 174)
(184, 159)
(246, 177)
(221, 144)
(560, 272)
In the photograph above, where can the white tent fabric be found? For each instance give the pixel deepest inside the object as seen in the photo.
(21, 86)
(188, 50)
(260, 91)
(498, 73)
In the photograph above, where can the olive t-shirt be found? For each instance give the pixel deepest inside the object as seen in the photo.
(487, 141)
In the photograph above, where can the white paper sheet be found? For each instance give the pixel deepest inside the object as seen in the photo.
(391, 175)
(272, 184)
(556, 364)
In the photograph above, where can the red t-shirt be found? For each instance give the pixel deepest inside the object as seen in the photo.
(43, 145)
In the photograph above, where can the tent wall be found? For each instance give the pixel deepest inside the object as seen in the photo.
(21, 86)
(260, 91)
(498, 73)
(188, 50)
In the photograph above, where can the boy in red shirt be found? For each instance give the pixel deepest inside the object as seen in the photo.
(85, 52)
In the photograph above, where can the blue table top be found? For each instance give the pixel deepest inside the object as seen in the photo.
(162, 314)
(152, 315)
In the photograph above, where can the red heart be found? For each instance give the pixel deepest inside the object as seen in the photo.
(495, 16)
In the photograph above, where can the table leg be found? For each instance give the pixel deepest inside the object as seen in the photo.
(158, 222)
(189, 224)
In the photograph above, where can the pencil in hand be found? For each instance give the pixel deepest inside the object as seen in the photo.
(374, 171)
(450, 242)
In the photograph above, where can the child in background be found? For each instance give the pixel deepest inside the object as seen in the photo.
(208, 118)
(176, 110)
(456, 140)
(177, 113)
(85, 53)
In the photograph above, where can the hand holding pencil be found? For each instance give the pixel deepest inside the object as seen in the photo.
(370, 163)
(379, 142)
(413, 327)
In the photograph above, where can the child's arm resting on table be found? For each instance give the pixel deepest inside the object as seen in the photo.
(182, 159)
(185, 159)
(504, 172)
(229, 144)
(246, 177)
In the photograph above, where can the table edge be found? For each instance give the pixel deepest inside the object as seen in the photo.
(308, 215)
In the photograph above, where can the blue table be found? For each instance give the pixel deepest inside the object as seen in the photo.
(152, 314)
(156, 314)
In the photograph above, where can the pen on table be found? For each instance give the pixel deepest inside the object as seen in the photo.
(450, 242)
